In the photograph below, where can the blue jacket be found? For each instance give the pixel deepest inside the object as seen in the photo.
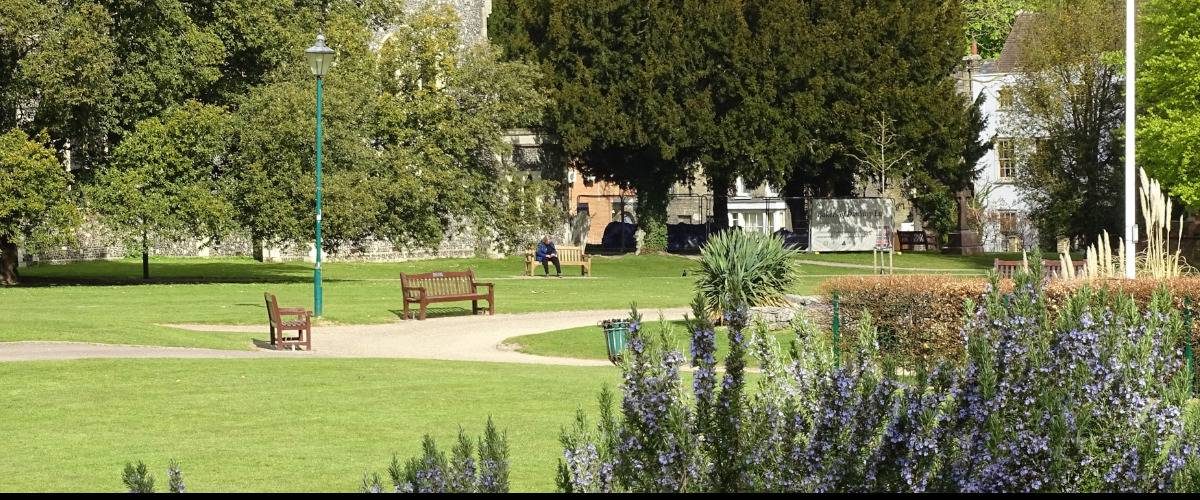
(543, 250)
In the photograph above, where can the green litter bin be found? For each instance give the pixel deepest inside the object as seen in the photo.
(616, 335)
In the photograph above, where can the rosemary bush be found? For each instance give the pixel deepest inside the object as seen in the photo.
(137, 478)
(463, 472)
(1090, 399)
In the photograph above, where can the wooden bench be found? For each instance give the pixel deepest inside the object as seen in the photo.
(567, 256)
(1052, 268)
(451, 286)
(279, 327)
(908, 241)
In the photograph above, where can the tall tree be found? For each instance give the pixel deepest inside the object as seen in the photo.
(414, 133)
(616, 106)
(989, 22)
(893, 57)
(1169, 96)
(37, 208)
(164, 181)
(1069, 108)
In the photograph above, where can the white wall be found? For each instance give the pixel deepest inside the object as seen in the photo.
(1003, 195)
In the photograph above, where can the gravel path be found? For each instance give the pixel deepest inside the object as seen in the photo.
(868, 266)
(456, 338)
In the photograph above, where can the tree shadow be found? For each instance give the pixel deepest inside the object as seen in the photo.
(439, 312)
(129, 273)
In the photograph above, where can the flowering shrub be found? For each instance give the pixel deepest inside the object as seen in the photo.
(433, 472)
(1092, 398)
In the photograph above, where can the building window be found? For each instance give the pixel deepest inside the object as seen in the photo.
(582, 207)
(759, 222)
(1005, 158)
(1008, 221)
(1006, 99)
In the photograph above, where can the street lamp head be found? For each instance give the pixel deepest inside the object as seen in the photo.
(320, 57)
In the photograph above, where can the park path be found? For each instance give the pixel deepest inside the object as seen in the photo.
(848, 265)
(454, 338)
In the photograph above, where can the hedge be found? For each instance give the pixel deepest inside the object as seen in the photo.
(920, 316)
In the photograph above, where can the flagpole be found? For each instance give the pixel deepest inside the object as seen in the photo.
(1130, 133)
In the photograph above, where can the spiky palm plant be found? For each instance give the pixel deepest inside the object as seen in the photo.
(740, 268)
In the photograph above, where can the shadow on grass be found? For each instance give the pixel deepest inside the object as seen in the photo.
(120, 273)
(439, 312)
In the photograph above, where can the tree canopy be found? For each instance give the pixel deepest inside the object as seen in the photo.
(644, 92)
(1168, 91)
(36, 204)
(194, 119)
(1068, 108)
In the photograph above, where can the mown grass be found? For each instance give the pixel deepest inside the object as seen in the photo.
(108, 302)
(273, 425)
(289, 424)
(587, 342)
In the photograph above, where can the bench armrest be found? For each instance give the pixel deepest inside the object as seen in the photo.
(295, 311)
(419, 289)
(489, 285)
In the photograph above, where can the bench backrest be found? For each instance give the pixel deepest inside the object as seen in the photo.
(272, 308)
(1052, 268)
(440, 284)
(566, 255)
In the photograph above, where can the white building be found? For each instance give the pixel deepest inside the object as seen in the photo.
(1006, 225)
(760, 209)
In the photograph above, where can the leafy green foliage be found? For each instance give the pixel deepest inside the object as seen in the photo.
(742, 269)
(37, 206)
(165, 177)
(989, 21)
(413, 142)
(1069, 95)
(1169, 114)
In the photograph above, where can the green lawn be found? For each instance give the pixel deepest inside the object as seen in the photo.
(588, 341)
(273, 425)
(107, 302)
(294, 424)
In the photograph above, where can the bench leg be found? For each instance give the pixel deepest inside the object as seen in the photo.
(405, 314)
(272, 327)
(474, 307)
(308, 338)
(491, 305)
(422, 316)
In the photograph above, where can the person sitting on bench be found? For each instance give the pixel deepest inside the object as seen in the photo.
(546, 253)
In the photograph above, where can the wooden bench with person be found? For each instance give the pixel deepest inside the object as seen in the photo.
(1052, 268)
(450, 286)
(567, 256)
(302, 324)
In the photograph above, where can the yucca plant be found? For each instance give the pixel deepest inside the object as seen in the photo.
(742, 269)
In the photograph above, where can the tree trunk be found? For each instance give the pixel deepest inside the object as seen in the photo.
(720, 190)
(145, 256)
(8, 263)
(652, 199)
(257, 245)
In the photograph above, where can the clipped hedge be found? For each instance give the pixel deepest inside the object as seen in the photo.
(920, 316)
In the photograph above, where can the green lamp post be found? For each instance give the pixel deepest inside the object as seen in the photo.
(320, 58)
